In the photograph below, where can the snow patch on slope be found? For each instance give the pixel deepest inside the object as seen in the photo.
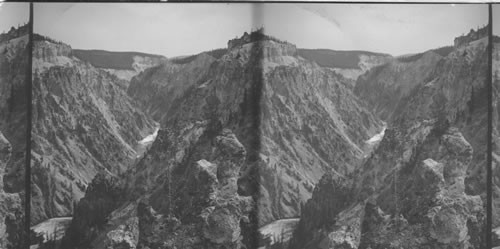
(151, 137)
(144, 144)
(377, 137)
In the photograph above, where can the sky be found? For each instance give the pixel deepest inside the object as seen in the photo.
(174, 29)
(12, 15)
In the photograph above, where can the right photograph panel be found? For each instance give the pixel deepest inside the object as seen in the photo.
(379, 122)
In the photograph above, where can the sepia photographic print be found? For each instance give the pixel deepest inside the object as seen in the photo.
(249, 126)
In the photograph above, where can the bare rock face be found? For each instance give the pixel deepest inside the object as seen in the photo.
(222, 227)
(458, 156)
(48, 53)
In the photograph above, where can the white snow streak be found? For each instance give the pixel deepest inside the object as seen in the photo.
(378, 137)
(151, 137)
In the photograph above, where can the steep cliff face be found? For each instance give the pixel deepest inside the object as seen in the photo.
(311, 124)
(385, 85)
(422, 186)
(83, 123)
(157, 89)
(13, 121)
(13, 102)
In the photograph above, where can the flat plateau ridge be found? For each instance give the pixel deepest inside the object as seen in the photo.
(262, 145)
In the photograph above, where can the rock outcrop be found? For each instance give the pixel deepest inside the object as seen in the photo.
(425, 203)
(473, 35)
(204, 210)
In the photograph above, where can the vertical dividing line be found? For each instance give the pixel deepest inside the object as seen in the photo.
(255, 109)
(489, 184)
(27, 176)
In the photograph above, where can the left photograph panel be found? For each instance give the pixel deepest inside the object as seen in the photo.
(14, 78)
(131, 117)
